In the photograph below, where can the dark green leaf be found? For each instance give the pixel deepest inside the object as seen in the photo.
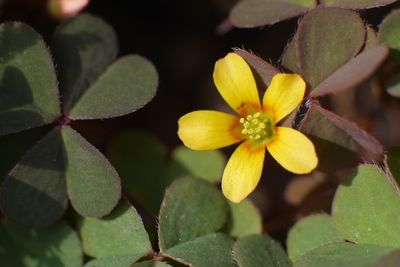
(84, 47)
(263, 70)
(34, 192)
(28, 86)
(353, 72)
(260, 251)
(191, 208)
(366, 208)
(140, 160)
(393, 162)
(244, 219)
(327, 38)
(115, 261)
(93, 184)
(310, 233)
(213, 250)
(57, 246)
(253, 13)
(126, 86)
(343, 255)
(203, 164)
(357, 4)
(119, 233)
(14, 146)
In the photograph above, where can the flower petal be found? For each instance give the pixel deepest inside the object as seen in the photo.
(284, 94)
(206, 130)
(293, 150)
(236, 84)
(243, 171)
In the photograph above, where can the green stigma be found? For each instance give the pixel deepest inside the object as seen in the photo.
(257, 127)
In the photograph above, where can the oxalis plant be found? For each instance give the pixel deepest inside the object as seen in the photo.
(64, 203)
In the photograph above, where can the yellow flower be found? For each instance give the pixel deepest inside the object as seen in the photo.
(256, 126)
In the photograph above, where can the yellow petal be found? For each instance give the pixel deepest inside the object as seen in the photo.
(206, 130)
(283, 95)
(235, 82)
(243, 171)
(293, 150)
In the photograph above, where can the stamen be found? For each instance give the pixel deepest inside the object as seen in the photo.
(257, 127)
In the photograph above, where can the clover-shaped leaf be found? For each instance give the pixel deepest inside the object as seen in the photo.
(259, 250)
(366, 208)
(28, 88)
(119, 239)
(253, 13)
(310, 233)
(57, 246)
(344, 254)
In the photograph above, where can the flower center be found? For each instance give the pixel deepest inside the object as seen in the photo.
(257, 127)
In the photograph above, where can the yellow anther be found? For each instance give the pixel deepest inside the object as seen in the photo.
(244, 131)
(257, 115)
(254, 121)
(246, 124)
(262, 125)
(249, 117)
(241, 120)
(258, 137)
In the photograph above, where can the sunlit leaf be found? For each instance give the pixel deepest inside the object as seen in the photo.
(366, 208)
(191, 208)
(126, 86)
(260, 251)
(310, 233)
(244, 219)
(93, 184)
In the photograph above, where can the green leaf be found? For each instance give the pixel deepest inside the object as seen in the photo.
(34, 192)
(260, 251)
(14, 146)
(213, 250)
(353, 72)
(357, 4)
(389, 32)
(83, 47)
(393, 162)
(327, 38)
(139, 158)
(151, 264)
(57, 246)
(127, 85)
(119, 233)
(309, 233)
(262, 69)
(114, 261)
(343, 255)
(244, 219)
(28, 88)
(191, 208)
(93, 184)
(366, 208)
(253, 13)
(203, 164)
(393, 87)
